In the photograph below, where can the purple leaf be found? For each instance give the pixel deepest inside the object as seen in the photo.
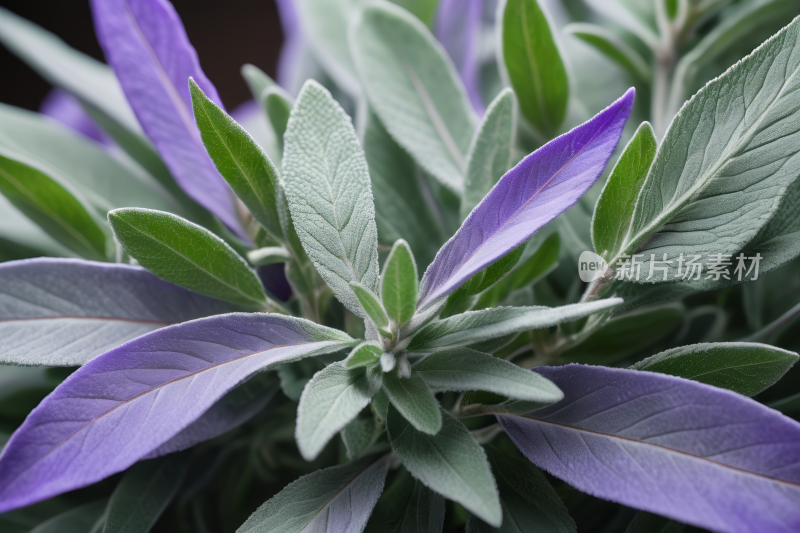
(65, 108)
(675, 447)
(124, 404)
(145, 43)
(541, 187)
(292, 42)
(63, 312)
(458, 26)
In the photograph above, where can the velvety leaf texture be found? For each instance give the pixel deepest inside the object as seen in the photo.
(399, 285)
(63, 312)
(328, 189)
(127, 402)
(145, 43)
(539, 188)
(678, 448)
(407, 506)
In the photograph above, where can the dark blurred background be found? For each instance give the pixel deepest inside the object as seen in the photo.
(226, 35)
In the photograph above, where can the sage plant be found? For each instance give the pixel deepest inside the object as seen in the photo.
(496, 298)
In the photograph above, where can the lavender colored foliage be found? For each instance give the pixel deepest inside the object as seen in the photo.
(124, 404)
(458, 25)
(541, 187)
(145, 43)
(292, 42)
(675, 447)
(65, 108)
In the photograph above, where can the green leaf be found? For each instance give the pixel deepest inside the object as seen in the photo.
(143, 494)
(651, 523)
(333, 397)
(106, 182)
(77, 520)
(539, 264)
(295, 375)
(324, 24)
(55, 206)
(414, 89)
(636, 17)
(462, 369)
(613, 47)
(423, 9)
(476, 326)
(534, 65)
(744, 367)
(188, 255)
(278, 105)
(328, 190)
(340, 496)
(529, 503)
(400, 283)
(239, 159)
(723, 145)
(613, 212)
(19, 234)
(407, 506)
(412, 398)
(627, 334)
(380, 404)
(357, 436)
(398, 187)
(451, 462)
(365, 354)
(371, 303)
(268, 256)
(257, 80)
(489, 155)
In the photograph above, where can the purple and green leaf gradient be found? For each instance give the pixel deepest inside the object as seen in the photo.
(124, 404)
(458, 26)
(145, 43)
(671, 446)
(541, 187)
(65, 108)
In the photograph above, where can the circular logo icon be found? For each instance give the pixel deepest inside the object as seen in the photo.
(590, 266)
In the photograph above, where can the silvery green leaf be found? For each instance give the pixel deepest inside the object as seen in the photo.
(407, 506)
(339, 498)
(324, 24)
(744, 367)
(333, 397)
(725, 162)
(357, 436)
(613, 212)
(529, 502)
(328, 191)
(269, 255)
(412, 398)
(19, 232)
(371, 304)
(489, 155)
(143, 493)
(398, 188)
(451, 462)
(49, 201)
(277, 104)
(294, 376)
(415, 90)
(613, 47)
(188, 255)
(400, 283)
(365, 354)
(636, 17)
(475, 326)
(462, 369)
(533, 64)
(105, 181)
(257, 80)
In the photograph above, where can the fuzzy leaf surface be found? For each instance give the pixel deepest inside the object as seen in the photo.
(412, 398)
(407, 506)
(399, 283)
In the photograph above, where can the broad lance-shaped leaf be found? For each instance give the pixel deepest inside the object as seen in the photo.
(143, 494)
(49, 201)
(188, 255)
(541, 187)
(744, 367)
(407, 506)
(339, 498)
(63, 312)
(124, 404)
(145, 43)
(399, 285)
(451, 462)
(239, 159)
(612, 46)
(365, 354)
(685, 450)
(333, 397)
(371, 303)
(458, 27)
(534, 65)
(736, 140)
(328, 190)
(463, 369)
(414, 401)
(613, 212)
(476, 326)
(413, 87)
